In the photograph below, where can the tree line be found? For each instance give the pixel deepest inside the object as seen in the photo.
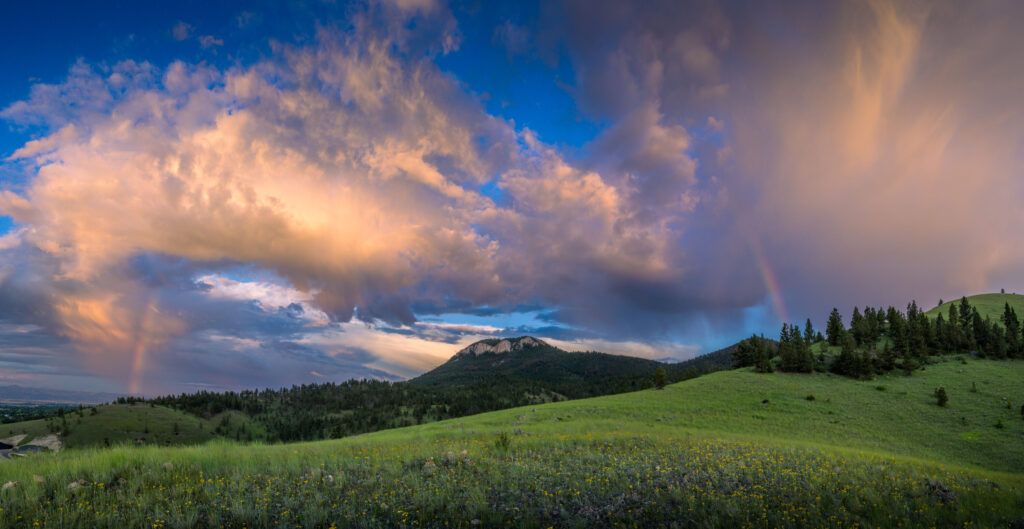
(882, 340)
(332, 410)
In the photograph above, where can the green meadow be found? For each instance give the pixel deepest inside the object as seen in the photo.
(988, 305)
(730, 449)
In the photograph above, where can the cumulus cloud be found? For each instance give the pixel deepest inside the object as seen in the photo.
(349, 171)
(302, 214)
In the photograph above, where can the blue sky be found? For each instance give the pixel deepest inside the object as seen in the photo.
(202, 194)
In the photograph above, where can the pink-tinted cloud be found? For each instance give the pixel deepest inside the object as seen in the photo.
(348, 170)
(872, 149)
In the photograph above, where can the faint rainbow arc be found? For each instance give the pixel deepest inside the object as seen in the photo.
(770, 281)
(139, 349)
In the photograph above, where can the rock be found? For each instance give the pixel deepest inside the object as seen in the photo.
(503, 346)
(168, 466)
(39, 479)
(940, 492)
(74, 485)
(9, 485)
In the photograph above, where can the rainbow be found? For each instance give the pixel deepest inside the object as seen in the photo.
(141, 343)
(770, 281)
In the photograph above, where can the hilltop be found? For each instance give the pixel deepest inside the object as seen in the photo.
(988, 305)
(529, 358)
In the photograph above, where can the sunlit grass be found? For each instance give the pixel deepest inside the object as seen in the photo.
(703, 453)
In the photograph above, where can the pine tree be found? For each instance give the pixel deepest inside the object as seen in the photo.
(785, 350)
(898, 330)
(808, 332)
(866, 364)
(1013, 332)
(805, 358)
(846, 362)
(941, 334)
(887, 359)
(954, 332)
(762, 357)
(834, 328)
(660, 378)
(744, 353)
(857, 326)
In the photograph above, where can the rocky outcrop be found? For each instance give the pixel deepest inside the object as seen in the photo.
(502, 346)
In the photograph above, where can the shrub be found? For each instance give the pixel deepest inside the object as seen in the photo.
(880, 388)
(974, 387)
(940, 396)
(1000, 425)
(503, 442)
(809, 397)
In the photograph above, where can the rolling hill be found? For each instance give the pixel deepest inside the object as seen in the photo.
(988, 305)
(731, 449)
(139, 423)
(486, 376)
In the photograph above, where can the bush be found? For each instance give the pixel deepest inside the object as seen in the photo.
(940, 396)
(1000, 425)
(503, 442)
(810, 397)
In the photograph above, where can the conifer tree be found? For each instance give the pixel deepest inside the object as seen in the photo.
(785, 349)
(1013, 334)
(887, 358)
(809, 332)
(866, 364)
(762, 357)
(857, 326)
(660, 378)
(743, 355)
(954, 331)
(834, 328)
(846, 362)
(805, 358)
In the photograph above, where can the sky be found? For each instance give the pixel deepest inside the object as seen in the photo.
(207, 195)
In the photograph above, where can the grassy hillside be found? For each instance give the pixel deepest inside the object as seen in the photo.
(900, 418)
(991, 305)
(123, 423)
(707, 452)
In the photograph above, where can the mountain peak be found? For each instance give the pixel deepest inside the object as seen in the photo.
(500, 346)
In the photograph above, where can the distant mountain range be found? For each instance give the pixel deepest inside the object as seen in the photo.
(20, 394)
